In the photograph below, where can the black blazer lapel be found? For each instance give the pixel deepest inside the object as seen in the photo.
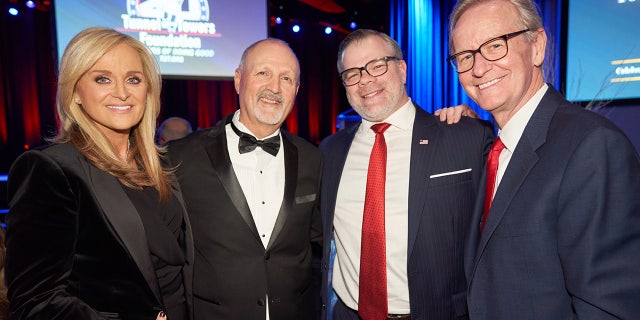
(187, 272)
(219, 157)
(421, 157)
(125, 221)
(291, 178)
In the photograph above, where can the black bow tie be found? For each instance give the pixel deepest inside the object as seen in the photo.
(249, 143)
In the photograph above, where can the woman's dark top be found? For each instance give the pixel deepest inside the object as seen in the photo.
(165, 228)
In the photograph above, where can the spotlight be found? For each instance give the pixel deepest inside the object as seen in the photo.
(30, 4)
(295, 28)
(353, 25)
(278, 20)
(13, 11)
(328, 30)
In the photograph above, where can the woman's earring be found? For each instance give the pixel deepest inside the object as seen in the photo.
(77, 100)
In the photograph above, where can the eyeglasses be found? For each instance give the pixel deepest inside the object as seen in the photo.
(492, 50)
(374, 68)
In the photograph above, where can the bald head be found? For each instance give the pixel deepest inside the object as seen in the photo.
(173, 128)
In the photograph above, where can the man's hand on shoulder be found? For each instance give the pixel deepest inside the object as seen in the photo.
(453, 114)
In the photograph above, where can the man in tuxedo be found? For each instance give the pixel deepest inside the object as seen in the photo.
(399, 251)
(556, 232)
(251, 190)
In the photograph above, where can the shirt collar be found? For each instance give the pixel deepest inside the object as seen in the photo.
(512, 131)
(402, 118)
(243, 128)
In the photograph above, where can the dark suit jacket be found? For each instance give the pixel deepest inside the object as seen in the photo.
(76, 245)
(439, 208)
(562, 239)
(233, 270)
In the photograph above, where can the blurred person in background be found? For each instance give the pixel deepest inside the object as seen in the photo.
(171, 129)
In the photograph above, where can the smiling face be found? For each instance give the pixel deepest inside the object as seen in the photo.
(113, 91)
(267, 84)
(501, 87)
(375, 98)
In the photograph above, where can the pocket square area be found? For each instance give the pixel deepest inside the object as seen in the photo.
(449, 173)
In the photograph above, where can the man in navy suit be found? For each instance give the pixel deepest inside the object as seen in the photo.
(561, 239)
(433, 172)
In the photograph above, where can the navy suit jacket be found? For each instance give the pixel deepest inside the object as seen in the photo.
(439, 209)
(233, 272)
(562, 239)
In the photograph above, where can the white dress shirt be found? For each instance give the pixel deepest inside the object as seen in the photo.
(350, 207)
(261, 177)
(512, 131)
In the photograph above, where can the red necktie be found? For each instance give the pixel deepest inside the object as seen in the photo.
(372, 299)
(492, 169)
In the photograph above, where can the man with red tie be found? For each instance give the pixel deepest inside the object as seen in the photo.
(398, 190)
(560, 223)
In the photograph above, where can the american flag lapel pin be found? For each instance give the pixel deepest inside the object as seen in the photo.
(424, 141)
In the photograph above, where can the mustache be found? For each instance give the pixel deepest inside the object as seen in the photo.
(270, 95)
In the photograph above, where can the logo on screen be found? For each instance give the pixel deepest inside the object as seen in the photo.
(173, 15)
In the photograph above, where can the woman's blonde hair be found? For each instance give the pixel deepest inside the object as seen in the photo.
(82, 52)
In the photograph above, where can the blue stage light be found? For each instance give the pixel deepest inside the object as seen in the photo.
(31, 4)
(13, 11)
(295, 28)
(353, 25)
(278, 20)
(328, 30)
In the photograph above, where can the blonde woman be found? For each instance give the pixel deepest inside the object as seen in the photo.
(96, 227)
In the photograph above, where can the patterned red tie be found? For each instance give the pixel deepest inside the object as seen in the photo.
(372, 300)
(492, 170)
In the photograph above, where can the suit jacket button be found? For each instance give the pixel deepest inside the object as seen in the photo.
(261, 302)
(267, 256)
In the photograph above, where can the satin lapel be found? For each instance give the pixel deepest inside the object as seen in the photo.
(521, 163)
(187, 272)
(125, 221)
(219, 157)
(188, 236)
(290, 182)
(422, 156)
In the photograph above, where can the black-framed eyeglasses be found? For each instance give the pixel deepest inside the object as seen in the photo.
(374, 68)
(492, 50)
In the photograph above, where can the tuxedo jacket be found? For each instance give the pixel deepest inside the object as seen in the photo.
(562, 238)
(76, 246)
(233, 270)
(439, 208)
